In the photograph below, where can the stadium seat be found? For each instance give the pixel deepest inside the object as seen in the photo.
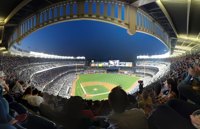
(38, 122)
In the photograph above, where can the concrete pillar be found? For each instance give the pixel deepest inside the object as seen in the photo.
(37, 19)
(30, 23)
(64, 10)
(22, 29)
(18, 32)
(26, 25)
(55, 10)
(44, 15)
(80, 8)
(98, 8)
(132, 20)
(52, 10)
(71, 9)
(112, 10)
(119, 12)
(58, 11)
(142, 21)
(105, 13)
(90, 8)
(47, 14)
(126, 14)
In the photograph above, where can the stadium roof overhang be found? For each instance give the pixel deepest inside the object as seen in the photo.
(12, 12)
(179, 18)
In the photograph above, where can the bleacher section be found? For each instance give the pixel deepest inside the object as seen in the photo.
(151, 71)
(41, 73)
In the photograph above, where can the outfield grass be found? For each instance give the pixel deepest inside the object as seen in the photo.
(125, 81)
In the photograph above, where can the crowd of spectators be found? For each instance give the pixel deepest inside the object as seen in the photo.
(61, 85)
(169, 102)
(29, 71)
(151, 71)
(40, 80)
(9, 62)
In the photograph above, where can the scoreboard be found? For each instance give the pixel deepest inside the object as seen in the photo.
(111, 63)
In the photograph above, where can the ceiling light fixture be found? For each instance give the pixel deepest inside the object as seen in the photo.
(191, 37)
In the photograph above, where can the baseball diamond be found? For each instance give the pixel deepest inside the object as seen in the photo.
(98, 86)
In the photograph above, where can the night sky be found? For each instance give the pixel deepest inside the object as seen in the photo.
(92, 39)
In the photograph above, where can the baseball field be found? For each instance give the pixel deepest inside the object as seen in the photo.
(98, 86)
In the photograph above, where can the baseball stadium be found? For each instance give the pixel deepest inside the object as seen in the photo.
(99, 64)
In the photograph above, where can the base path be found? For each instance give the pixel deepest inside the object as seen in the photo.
(107, 85)
(73, 90)
(132, 87)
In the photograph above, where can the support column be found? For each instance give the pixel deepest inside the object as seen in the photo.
(52, 9)
(55, 12)
(132, 20)
(58, 11)
(80, 9)
(26, 25)
(119, 12)
(126, 20)
(64, 10)
(47, 14)
(89, 8)
(142, 21)
(37, 20)
(105, 13)
(22, 29)
(18, 32)
(43, 17)
(112, 10)
(32, 23)
(98, 8)
(151, 27)
(71, 9)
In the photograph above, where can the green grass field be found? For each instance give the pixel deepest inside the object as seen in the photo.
(125, 81)
(96, 89)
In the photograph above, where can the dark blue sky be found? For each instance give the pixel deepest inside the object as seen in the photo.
(92, 39)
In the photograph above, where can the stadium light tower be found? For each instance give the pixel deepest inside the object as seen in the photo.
(76, 68)
(144, 68)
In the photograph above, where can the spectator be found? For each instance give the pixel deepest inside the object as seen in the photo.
(172, 91)
(19, 87)
(146, 102)
(120, 117)
(74, 119)
(35, 99)
(6, 121)
(27, 93)
(175, 115)
(189, 88)
(3, 83)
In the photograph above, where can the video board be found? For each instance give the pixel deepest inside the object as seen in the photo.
(111, 63)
